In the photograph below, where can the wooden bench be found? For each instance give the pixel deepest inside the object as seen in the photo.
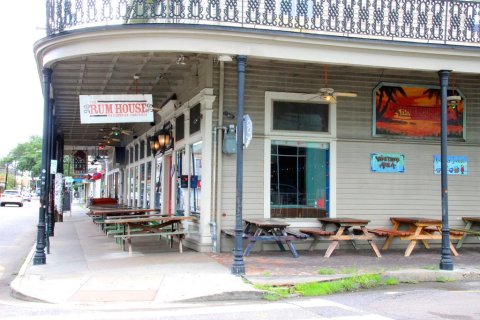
(180, 233)
(317, 234)
(230, 233)
(297, 233)
(100, 201)
(461, 231)
(390, 232)
(455, 234)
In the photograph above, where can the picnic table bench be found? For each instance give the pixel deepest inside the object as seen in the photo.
(414, 229)
(345, 229)
(470, 223)
(151, 226)
(268, 230)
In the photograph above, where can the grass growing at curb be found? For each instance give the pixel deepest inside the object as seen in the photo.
(331, 271)
(444, 279)
(326, 271)
(430, 267)
(311, 289)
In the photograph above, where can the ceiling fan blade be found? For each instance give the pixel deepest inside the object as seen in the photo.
(346, 94)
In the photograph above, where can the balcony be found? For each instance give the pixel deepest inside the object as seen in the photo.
(421, 21)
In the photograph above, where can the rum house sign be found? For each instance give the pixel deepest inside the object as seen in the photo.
(116, 108)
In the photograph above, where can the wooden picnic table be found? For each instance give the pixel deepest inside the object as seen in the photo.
(416, 229)
(100, 214)
(118, 211)
(268, 230)
(343, 231)
(469, 229)
(150, 226)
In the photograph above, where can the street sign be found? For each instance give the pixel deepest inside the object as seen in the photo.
(53, 166)
(247, 130)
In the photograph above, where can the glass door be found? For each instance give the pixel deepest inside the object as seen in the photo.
(299, 185)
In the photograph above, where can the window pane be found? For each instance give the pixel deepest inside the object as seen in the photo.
(300, 116)
(180, 128)
(299, 180)
(142, 186)
(195, 118)
(195, 178)
(142, 149)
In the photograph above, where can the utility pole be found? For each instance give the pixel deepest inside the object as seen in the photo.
(6, 175)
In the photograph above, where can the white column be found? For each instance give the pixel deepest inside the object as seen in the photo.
(207, 170)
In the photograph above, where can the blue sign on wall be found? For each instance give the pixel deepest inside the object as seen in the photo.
(387, 162)
(455, 165)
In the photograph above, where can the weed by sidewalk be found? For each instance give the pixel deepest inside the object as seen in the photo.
(310, 289)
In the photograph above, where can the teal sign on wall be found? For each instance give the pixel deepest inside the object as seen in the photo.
(387, 162)
(455, 165)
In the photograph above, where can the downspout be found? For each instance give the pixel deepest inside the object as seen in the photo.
(215, 220)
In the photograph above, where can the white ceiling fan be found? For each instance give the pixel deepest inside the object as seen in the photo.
(117, 131)
(328, 94)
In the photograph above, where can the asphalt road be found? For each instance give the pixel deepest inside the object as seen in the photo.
(455, 300)
(17, 237)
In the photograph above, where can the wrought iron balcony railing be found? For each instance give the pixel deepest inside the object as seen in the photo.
(427, 21)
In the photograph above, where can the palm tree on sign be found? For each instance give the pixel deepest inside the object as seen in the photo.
(389, 93)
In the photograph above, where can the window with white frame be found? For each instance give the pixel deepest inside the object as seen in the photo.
(300, 127)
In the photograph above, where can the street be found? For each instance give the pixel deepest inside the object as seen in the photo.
(17, 236)
(403, 302)
(439, 300)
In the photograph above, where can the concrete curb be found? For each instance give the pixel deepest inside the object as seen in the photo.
(16, 285)
(420, 275)
(404, 276)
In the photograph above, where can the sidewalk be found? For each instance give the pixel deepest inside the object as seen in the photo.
(86, 267)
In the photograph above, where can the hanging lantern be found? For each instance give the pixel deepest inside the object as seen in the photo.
(164, 138)
(154, 145)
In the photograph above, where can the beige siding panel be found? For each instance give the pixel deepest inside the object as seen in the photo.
(361, 193)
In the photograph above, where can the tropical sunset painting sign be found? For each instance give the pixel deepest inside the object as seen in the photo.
(415, 112)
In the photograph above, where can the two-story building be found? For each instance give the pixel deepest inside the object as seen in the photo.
(343, 98)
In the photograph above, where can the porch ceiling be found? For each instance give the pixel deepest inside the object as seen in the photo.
(112, 74)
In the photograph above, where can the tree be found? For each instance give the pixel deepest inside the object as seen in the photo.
(26, 156)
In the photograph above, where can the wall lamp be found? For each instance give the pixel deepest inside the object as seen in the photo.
(164, 138)
(154, 144)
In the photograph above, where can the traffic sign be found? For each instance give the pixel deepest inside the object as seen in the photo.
(247, 130)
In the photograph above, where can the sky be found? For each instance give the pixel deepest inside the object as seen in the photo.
(20, 87)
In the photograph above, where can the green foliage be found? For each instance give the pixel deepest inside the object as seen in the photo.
(390, 281)
(445, 279)
(349, 270)
(26, 156)
(326, 271)
(312, 289)
(431, 267)
(273, 293)
(365, 281)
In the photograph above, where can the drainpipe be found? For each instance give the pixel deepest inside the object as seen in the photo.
(215, 220)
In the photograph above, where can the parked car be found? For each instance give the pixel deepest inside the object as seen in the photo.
(11, 197)
(27, 196)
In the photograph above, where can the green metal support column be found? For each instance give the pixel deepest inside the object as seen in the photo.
(238, 267)
(446, 262)
(40, 257)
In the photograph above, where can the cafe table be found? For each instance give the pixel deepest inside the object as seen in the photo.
(416, 229)
(347, 229)
(268, 230)
(153, 225)
(471, 228)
